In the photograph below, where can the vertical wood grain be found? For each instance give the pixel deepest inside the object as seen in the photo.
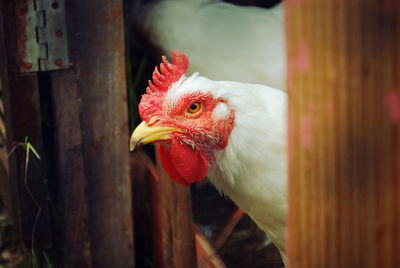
(177, 232)
(344, 119)
(97, 49)
(67, 109)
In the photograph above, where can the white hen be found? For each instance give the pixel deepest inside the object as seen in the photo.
(235, 133)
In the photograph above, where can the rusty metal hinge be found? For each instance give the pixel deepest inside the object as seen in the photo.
(41, 35)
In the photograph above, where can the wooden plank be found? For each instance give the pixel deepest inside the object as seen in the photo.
(344, 133)
(23, 119)
(177, 227)
(96, 41)
(70, 169)
(227, 230)
(145, 215)
(206, 255)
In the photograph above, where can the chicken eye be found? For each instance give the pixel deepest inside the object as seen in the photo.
(194, 108)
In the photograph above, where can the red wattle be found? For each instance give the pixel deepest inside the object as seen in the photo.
(182, 163)
(165, 157)
(189, 163)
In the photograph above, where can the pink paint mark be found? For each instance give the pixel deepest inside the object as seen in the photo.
(305, 129)
(302, 56)
(392, 100)
(329, 104)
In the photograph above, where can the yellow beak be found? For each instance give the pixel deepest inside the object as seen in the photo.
(151, 132)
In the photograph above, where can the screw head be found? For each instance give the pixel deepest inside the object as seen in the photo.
(58, 62)
(59, 33)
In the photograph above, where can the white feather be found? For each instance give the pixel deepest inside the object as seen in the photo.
(220, 112)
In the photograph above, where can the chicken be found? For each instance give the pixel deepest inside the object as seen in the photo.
(244, 43)
(233, 133)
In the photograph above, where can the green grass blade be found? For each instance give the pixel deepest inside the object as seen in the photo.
(26, 161)
(47, 260)
(33, 151)
(13, 149)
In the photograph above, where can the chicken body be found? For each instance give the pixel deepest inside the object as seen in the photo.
(252, 168)
(222, 40)
(235, 133)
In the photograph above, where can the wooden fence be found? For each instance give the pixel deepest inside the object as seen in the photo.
(344, 136)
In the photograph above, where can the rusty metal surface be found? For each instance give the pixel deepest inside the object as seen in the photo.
(28, 51)
(41, 35)
(97, 49)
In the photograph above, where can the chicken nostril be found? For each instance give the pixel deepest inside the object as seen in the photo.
(153, 120)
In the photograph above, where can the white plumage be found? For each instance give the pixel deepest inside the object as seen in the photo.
(252, 168)
(222, 40)
(253, 165)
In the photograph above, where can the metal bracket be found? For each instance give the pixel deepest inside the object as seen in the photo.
(41, 35)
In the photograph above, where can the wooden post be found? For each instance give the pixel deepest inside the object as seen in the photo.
(177, 232)
(145, 208)
(70, 169)
(90, 112)
(344, 133)
(92, 137)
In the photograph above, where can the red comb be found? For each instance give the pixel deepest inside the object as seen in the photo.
(151, 103)
(170, 73)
